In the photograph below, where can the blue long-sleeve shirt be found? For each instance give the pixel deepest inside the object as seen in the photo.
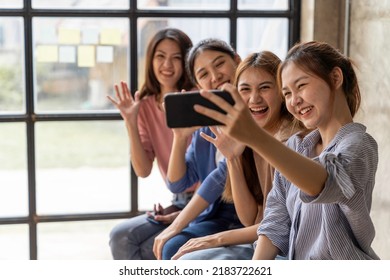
(202, 166)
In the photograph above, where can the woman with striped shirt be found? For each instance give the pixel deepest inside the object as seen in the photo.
(319, 206)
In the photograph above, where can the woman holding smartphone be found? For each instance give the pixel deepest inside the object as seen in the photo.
(319, 206)
(250, 176)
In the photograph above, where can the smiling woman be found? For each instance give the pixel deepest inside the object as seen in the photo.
(325, 179)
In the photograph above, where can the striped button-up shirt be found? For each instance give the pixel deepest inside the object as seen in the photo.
(336, 224)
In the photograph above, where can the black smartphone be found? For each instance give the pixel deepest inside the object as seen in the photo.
(179, 108)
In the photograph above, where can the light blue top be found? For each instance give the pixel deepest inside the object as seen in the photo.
(335, 224)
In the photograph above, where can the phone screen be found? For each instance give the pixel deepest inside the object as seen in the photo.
(179, 108)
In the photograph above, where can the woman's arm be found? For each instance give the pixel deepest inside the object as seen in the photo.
(140, 161)
(244, 202)
(177, 162)
(224, 238)
(303, 172)
(265, 250)
(129, 109)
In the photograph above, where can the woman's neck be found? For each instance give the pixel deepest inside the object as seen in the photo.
(274, 129)
(160, 97)
(166, 90)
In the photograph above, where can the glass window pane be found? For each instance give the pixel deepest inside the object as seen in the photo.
(82, 167)
(11, 4)
(153, 189)
(255, 34)
(86, 240)
(196, 28)
(263, 4)
(184, 4)
(12, 65)
(81, 4)
(14, 242)
(77, 61)
(13, 170)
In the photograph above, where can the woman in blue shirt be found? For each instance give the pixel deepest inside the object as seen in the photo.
(211, 63)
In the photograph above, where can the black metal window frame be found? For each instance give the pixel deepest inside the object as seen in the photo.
(30, 117)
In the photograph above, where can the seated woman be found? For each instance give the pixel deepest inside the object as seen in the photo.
(250, 176)
(149, 136)
(210, 63)
(319, 205)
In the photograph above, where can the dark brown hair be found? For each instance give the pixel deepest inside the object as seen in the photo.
(210, 44)
(320, 59)
(151, 85)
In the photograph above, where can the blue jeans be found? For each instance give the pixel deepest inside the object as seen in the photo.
(234, 252)
(133, 239)
(203, 228)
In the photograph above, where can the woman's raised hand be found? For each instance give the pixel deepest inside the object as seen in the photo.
(125, 103)
(229, 147)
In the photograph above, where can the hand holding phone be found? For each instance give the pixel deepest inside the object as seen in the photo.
(159, 210)
(179, 108)
(151, 219)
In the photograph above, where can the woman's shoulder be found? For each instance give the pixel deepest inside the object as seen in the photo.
(355, 135)
(148, 99)
(148, 103)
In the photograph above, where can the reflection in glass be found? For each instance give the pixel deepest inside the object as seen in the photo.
(82, 167)
(77, 61)
(81, 4)
(196, 28)
(14, 242)
(263, 5)
(13, 170)
(12, 65)
(86, 240)
(256, 34)
(184, 4)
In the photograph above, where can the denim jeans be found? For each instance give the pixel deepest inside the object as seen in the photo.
(133, 239)
(234, 252)
(197, 230)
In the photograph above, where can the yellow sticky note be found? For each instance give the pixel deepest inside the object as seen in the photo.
(110, 36)
(86, 56)
(47, 53)
(68, 36)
